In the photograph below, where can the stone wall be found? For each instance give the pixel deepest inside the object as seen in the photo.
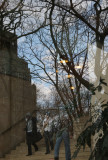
(17, 94)
(17, 97)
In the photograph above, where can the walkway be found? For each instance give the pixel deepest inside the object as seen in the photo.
(21, 151)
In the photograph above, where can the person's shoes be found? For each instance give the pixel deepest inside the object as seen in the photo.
(56, 158)
(47, 152)
(28, 154)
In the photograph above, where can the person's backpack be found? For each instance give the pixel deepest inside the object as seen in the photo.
(34, 121)
(38, 137)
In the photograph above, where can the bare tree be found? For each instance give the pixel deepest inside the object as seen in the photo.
(21, 17)
(47, 65)
(90, 15)
(28, 17)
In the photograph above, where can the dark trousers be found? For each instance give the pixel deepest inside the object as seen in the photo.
(30, 142)
(48, 140)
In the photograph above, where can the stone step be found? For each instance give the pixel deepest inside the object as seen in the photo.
(34, 157)
(20, 152)
(43, 150)
(62, 151)
(42, 143)
(22, 156)
(73, 147)
(37, 154)
(46, 158)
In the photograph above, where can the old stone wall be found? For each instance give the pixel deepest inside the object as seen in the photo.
(17, 97)
(17, 94)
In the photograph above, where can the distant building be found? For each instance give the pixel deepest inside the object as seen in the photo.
(10, 63)
(17, 94)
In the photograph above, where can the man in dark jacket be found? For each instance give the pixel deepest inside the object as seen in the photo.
(31, 131)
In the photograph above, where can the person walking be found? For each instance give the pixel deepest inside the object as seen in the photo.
(47, 126)
(31, 131)
(62, 134)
